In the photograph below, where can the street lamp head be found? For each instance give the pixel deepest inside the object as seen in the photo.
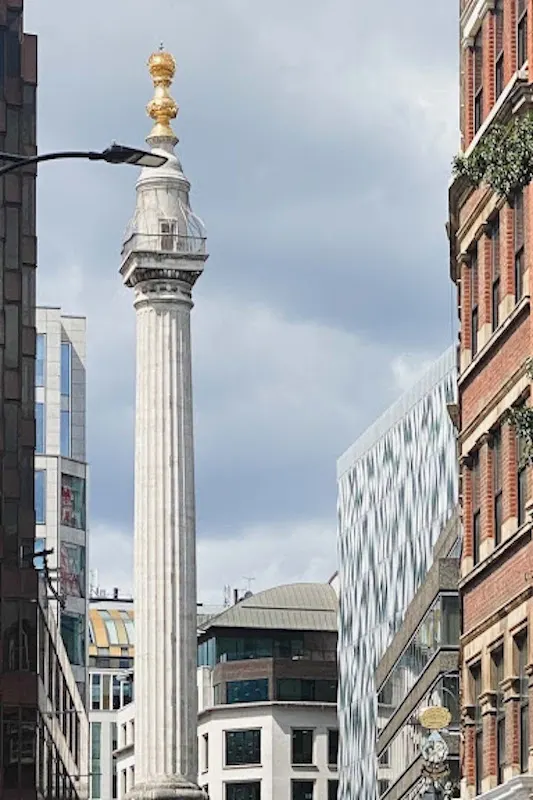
(119, 154)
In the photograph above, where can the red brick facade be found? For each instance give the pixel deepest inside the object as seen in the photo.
(491, 249)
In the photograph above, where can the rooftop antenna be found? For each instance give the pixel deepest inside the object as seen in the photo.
(249, 581)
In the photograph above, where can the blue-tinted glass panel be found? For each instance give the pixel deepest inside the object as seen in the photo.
(73, 635)
(73, 501)
(65, 433)
(66, 368)
(40, 360)
(40, 547)
(40, 433)
(253, 691)
(40, 496)
(96, 749)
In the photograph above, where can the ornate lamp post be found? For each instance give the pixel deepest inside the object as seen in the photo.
(436, 782)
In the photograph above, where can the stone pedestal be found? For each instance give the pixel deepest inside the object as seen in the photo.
(167, 789)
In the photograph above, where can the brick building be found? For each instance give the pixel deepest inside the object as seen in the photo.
(43, 723)
(491, 253)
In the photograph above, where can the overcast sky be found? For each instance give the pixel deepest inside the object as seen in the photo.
(318, 138)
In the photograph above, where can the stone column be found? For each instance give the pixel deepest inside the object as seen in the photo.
(165, 557)
(512, 722)
(468, 756)
(488, 712)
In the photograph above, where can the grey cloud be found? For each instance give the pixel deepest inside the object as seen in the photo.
(318, 139)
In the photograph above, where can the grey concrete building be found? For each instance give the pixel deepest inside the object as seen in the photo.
(420, 669)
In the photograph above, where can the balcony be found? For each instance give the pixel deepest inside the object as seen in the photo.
(164, 244)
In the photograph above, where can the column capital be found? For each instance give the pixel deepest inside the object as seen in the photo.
(488, 702)
(511, 688)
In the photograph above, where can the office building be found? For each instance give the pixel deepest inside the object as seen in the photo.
(111, 653)
(44, 727)
(419, 669)
(61, 474)
(267, 688)
(491, 246)
(397, 487)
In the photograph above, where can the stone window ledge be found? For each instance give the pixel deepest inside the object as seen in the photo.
(518, 788)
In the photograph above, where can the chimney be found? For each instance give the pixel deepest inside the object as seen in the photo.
(235, 596)
(115, 593)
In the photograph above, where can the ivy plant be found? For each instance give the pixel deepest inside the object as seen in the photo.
(521, 419)
(503, 159)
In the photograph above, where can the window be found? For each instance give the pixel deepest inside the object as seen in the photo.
(384, 759)
(475, 691)
(333, 746)
(521, 479)
(302, 746)
(95, 692)
(243, 791)
(205, 742)
(474, 292)
(495, 266)
(243, 747)
(66, 369)
(116, 692)
(65, 415)
(40, 547)
(497, 678)
(497, 485)
(521, 33)
(383, 786)
(64, 433)
(451, 620)
(333, 789)
(521, 646)
(73, 635)
(40, 496)
(303, 790)
(297, 690)
(498, 48)
(72, 570)
(478, 80)
(519, 257)
(254, 691)
(96, 733)
(476, 507)
(40, 360)
(72, 501)
(167, 229)
(40, 428)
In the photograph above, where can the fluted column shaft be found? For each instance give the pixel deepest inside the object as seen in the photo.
(165, 551)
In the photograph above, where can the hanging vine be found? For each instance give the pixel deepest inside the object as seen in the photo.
(521, 418)
(503, 158)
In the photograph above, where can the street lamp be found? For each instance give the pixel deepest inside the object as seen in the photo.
(115, 154)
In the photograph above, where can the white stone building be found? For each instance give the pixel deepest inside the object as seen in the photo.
(61, 473)
(267, 686)
(111, 650)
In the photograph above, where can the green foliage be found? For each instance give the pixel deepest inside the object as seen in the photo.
(503, 159)
(521, 418)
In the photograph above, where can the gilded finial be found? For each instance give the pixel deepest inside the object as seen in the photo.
(163, 108)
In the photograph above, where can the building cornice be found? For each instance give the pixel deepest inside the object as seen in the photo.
(265, 706)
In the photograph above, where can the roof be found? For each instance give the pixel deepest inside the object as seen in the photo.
(112, 628)
(111, 631)
(295, 606)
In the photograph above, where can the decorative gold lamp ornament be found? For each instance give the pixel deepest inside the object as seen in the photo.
(162, 108)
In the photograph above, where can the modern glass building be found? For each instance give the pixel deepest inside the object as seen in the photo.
(397, 486)
(61, 473)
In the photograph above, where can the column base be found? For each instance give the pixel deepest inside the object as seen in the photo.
(172, 788)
